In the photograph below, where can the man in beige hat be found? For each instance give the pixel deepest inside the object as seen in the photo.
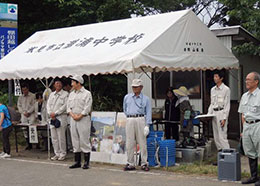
(137, 108)
(79, 108)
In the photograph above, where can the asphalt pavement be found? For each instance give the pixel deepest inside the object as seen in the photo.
(30, 172)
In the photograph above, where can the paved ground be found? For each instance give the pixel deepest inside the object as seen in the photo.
(27, 168)
(26, 172)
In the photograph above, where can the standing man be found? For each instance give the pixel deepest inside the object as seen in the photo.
(25, 106)
(137, 108)
(56, 109)
(220, 106)
(79, 108)
(249, 107)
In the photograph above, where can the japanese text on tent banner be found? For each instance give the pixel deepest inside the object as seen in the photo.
(87, 41)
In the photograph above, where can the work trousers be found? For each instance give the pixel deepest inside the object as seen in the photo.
(220, 133)
(251, 140)
(135, 134)
(58, 137)
(80, 134)
(6, 143)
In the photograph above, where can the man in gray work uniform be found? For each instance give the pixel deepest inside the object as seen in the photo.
(249, 107)
(79, 108)
(56, 109)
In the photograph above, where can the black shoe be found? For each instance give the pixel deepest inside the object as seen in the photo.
(85, 166)
(129, 167)
(87, 158)
(250, 180)
(77, 164)
(145, 168)
(253, 165)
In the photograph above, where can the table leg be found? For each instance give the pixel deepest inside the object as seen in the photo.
(15, 137)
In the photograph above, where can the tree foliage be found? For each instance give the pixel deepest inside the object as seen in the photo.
(211, 11)
(247, 14)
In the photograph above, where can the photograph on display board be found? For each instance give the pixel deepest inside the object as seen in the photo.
(8, 15)
(119, 134)
(104, 124)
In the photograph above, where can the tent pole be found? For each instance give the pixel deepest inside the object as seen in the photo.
(239, 88)
(46, 85)
(133, 67)
(89, 82)
(154, 88)
(48, 126)
(10, 100)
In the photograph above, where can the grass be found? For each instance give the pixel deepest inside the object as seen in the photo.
(194, 168)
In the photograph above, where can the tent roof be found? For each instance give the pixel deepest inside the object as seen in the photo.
(170, 41)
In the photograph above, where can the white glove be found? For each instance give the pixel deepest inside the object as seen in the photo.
(146, 131)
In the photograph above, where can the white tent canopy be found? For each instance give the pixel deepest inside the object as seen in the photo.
(171, 41)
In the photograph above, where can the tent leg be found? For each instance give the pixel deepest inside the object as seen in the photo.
(154, 88)
(10, 100)
(239, 88)
(89, 82)
(48, 126)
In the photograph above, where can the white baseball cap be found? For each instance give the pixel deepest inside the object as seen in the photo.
(137, 83)
(78, 78)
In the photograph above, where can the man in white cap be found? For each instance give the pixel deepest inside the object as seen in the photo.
(79, 108)
(137, 108)
(56, 109)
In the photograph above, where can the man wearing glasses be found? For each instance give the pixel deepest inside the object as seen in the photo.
(249, 107)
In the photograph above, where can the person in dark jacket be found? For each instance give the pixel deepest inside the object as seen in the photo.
(172, 115)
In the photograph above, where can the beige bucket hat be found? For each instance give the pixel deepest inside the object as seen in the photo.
(182, 91)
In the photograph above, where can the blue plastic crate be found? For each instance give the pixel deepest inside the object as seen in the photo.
(171, 161)
(152, 161)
